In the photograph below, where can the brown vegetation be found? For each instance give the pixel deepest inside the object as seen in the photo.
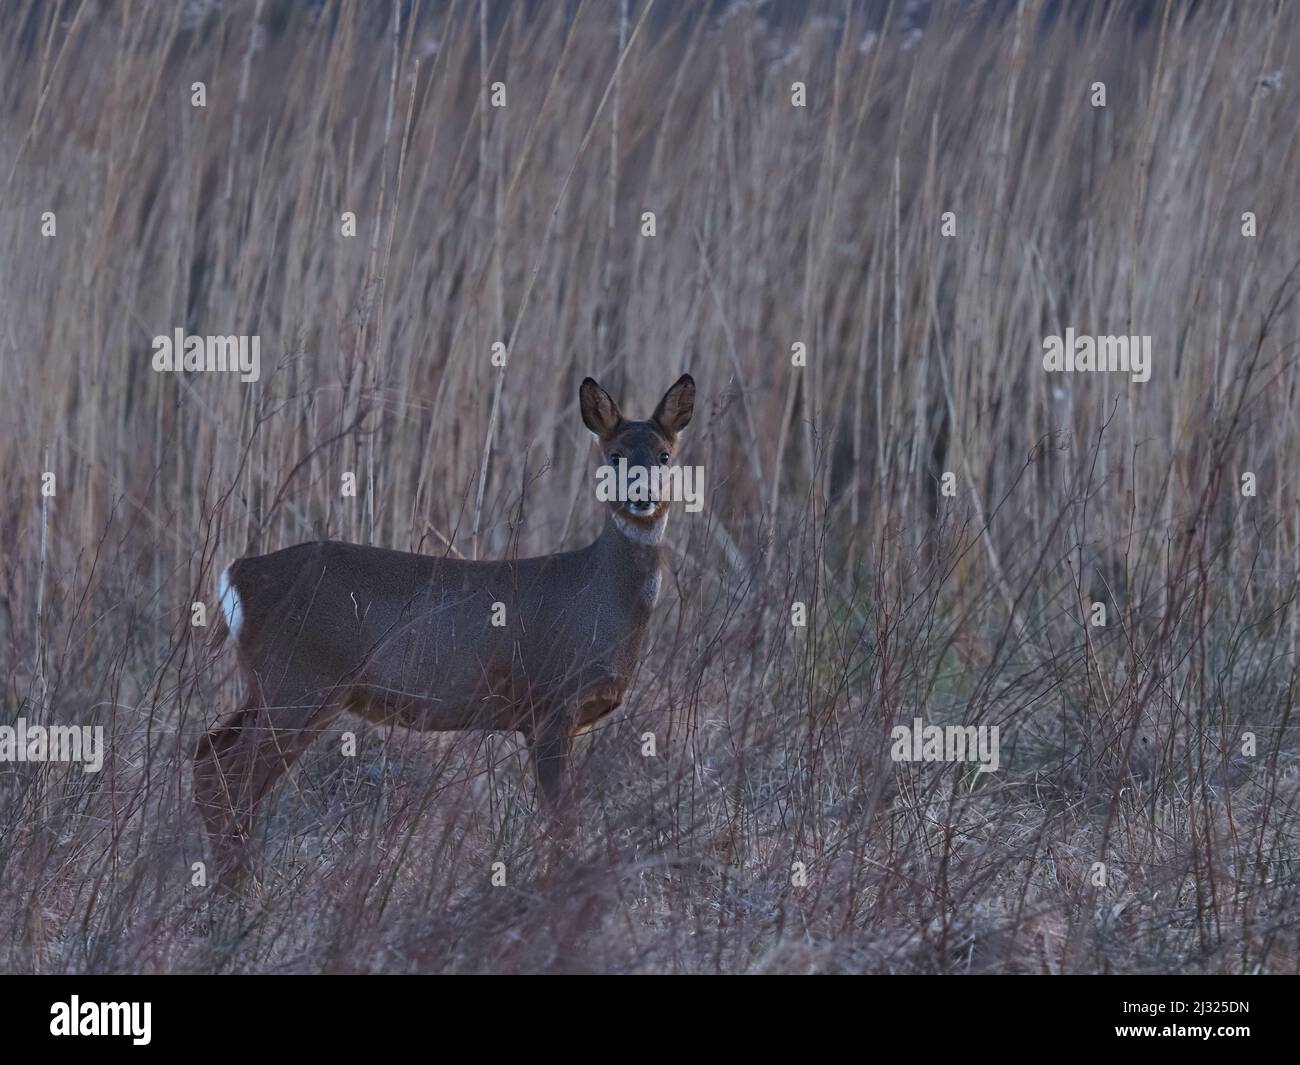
(1120, 744)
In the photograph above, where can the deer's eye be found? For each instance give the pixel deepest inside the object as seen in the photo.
(663, 458)
(615, 456)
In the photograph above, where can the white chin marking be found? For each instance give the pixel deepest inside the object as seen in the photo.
(642, 534)
(231, 607)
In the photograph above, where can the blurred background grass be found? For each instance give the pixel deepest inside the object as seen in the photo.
(774, 225)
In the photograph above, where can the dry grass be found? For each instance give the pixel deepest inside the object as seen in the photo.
(775, 224)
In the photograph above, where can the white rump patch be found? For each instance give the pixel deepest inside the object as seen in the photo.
(230, 604)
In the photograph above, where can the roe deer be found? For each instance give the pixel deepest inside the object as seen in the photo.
(409, 639)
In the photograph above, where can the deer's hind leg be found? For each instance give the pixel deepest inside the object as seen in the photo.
(238, 761)
(217, 791)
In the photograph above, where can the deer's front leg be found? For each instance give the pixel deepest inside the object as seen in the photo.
(550, 740)
(551, 729)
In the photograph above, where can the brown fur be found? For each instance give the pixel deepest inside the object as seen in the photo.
(408, 639)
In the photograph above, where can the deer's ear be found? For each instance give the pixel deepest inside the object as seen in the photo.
(674, 411)
(600, 414)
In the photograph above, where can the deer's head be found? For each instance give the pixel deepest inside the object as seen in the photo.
(647, 444)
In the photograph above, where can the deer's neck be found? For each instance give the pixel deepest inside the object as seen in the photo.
(632, 548)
